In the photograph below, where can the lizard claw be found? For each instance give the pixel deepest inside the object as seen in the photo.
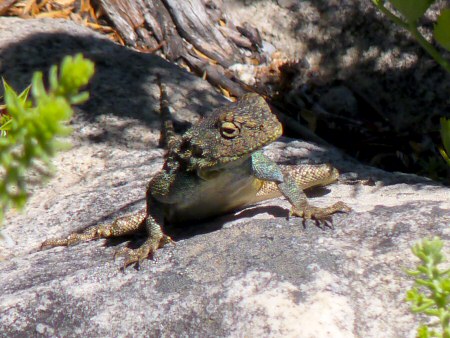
(319, 214)
(146, 250)
(133, 256)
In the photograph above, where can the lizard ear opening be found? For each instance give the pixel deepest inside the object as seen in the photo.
(229, 130)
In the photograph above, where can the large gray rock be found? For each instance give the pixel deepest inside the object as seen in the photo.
(251, 273)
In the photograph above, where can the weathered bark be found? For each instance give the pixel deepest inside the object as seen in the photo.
(215, 74)
(126, 16)
(194, 24)
(5, 5)
(161, 26)
(187, 32)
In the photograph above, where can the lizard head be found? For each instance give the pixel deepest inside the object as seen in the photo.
(230, 133)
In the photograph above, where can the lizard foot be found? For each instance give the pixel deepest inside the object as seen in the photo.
(319, 214)
(145, 251)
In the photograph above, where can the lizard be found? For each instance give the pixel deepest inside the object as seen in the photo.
(215, 167)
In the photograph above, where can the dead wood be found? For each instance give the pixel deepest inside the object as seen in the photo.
(5, 5)
(126, 16)
(193, 33)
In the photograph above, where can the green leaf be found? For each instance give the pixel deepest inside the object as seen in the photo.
(15, 106)
(423, 332)
(24, 95)
(446, 284)
(10, 94)
(34, 126)
(53, 77)
(430, 294)
(442, 29)
(80, 98)
(37, 86)
(75, 72)
(6, 126)
(412, 10)
(445, 134)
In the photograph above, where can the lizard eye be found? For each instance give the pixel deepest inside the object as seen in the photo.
(229, 130)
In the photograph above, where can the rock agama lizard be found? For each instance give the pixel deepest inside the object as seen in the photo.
(215, 167)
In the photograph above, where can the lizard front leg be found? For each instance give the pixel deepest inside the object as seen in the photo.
(291, 185)
(155, 236)
(122, 226)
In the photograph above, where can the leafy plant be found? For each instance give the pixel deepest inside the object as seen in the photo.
(431, 292)
(29, 128)
(445, 135)
(411, 12)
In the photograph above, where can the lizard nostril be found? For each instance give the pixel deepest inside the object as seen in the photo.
(196, 150)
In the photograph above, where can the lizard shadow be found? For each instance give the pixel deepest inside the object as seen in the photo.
(124, 83)
(244, 215)
(186, 230)
(212, 224)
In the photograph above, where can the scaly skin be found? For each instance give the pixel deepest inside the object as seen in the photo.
(214, 168)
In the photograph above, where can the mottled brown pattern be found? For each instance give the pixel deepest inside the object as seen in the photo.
(214, 168)
(211, 142)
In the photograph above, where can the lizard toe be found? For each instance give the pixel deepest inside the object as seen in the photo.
(340, 207)
(146, 250)
(133, 256)
(321, 215)
(52, 242)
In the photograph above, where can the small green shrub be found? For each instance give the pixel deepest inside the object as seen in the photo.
(431, 292)
(29, 129)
